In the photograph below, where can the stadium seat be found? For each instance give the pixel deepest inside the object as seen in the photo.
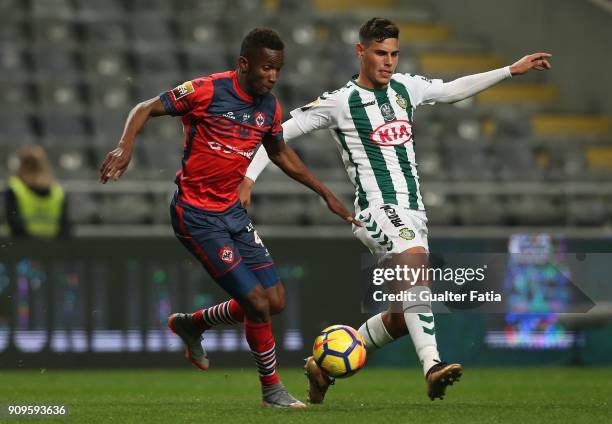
(107, 125)
(467, 161)
(571, 125)
(126, 208)
(61, 9)
(51, 32)
(586, 211)
(440, 208)
(139, 6)
(151, 30)
(264, 211)
(17, 128)
(516, 160)
(480, 210)
(162, 157)
(110, 34)
(536, 210)
(94, 10)
(83, 208)
(16, 94)
(107, 61)
(55, 62)
(13, 33)
(12, 61)
(206, 59)
(65, 94)
(71, 161)
(58, 127)
(151, 85)
(457, 64)
(111, 95)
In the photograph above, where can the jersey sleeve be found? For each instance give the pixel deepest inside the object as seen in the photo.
(422, 90)
(188, 96)
(317, 114)
(276, 130)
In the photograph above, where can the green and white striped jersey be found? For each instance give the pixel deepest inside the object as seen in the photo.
(373, 131)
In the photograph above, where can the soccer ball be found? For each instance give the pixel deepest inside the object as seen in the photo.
(339, 350)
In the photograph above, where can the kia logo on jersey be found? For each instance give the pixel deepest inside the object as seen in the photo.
(394, 133)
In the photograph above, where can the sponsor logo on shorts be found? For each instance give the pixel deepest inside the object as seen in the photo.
(393, 216)
(226, 254)
(394, 133)
(406, 234)
(183, 90)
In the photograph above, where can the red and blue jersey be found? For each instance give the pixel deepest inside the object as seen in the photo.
(223, 127)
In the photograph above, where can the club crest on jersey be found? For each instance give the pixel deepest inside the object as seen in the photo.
(387, 111)
(183, 90)
(394, 133)
(406, 234)
(401, 101)
(260, 119)
(226, 254)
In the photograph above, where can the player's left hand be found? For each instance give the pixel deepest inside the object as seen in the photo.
(538, 61)
(339, 209)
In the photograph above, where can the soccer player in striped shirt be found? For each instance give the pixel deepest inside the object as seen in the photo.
(225, 117)
(371, 118)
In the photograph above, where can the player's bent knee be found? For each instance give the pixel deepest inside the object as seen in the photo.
(256, 306)
(277, 305)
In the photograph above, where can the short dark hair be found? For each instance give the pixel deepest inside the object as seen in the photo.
(377, 29)
(261, 38)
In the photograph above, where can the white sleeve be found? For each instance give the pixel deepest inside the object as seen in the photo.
(464, 87)
(261, 159)
(316, 115)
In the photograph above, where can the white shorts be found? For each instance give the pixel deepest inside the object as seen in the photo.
(390, 229)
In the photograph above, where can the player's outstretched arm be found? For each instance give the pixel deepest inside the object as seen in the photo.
(117, 160)
(470, 85)
(286, 159)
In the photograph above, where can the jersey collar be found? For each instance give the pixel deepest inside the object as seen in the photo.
(241, 93)
(373, 90)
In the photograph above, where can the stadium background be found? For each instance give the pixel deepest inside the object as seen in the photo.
(532, 155)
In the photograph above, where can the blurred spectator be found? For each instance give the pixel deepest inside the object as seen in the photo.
(36, 204)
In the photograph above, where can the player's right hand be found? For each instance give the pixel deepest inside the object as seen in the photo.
(115, 163)
(337, 207)
(244, 191)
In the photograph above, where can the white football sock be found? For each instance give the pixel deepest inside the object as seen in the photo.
(374, 333)
(420, 323)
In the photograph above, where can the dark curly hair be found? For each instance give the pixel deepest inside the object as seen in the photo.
(260, 38)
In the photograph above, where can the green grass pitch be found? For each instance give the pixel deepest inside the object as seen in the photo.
(501, 395)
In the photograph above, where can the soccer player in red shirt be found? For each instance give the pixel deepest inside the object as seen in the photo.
(225, 117)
